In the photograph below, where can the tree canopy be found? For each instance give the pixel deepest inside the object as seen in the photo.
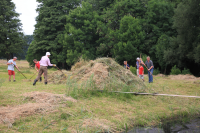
(11, 38)
(165, 30)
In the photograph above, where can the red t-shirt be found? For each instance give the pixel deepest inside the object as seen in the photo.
(38, 65)
(141, 69)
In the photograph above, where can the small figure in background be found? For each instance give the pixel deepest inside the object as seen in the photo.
(150, 66)
(141, 71)
(126, 65)
(11, 65)
(137, 65)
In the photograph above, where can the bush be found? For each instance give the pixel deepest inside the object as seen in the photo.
(186, 71)
(156, 71)
(133, 70)
(175, 71)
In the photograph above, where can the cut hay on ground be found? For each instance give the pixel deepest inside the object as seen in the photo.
(104, 72)
(58, 77)
(183, 77)
(44, 102)
(102, 125)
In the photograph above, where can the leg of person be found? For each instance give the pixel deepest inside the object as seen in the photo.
(13, 73)
(41, 79)
(45, 75)
(149, 75)
(151, 80)
(39, 75)
(9, 73)
(142, 78)
(137, 72)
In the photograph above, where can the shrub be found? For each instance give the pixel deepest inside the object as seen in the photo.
(156, 71)
(133, 70)
(186, 71)
(175, 71)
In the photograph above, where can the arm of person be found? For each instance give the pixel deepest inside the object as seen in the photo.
(151, 65)
(49, 63)
(9, 63)
(36, 68)
(17, 68)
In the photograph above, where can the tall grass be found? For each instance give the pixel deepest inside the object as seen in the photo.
(88, 88)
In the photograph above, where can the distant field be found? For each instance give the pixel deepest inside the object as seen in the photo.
(44, 108)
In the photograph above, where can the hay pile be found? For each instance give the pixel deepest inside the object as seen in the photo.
(104, 72)
(44, 102)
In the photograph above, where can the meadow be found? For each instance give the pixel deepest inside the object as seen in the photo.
(95, 112)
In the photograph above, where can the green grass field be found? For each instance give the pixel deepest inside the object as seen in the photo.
(97, 112)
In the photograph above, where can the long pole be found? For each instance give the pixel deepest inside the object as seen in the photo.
(33, 75)
(61, 71)
(20, 72)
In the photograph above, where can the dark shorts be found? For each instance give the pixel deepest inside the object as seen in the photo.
(10, 72)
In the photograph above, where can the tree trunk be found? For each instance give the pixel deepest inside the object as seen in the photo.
(8, 57)
(63, 65)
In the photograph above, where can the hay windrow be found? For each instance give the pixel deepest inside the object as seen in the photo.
(104, 72)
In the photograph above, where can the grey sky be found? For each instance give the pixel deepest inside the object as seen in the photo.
(27, 11)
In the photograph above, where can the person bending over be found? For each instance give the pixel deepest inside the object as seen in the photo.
(11, 65)
(37, 67)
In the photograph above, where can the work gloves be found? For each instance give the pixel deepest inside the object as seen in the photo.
(54, 65)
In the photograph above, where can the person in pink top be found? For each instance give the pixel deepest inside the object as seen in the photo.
(44, 63)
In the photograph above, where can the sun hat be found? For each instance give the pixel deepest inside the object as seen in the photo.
(138, 58)
(48, 53)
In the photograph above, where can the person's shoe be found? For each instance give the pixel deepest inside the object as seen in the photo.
(40, 79)
(45, 83)
(14, 80)
(34, 82)
(9, 80)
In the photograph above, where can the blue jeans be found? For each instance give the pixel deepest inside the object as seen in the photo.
(150, 76)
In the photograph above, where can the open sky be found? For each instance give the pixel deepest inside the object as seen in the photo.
(27, 11)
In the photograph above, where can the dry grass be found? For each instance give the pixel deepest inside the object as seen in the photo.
(94, 113)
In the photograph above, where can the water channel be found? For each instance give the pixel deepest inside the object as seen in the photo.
(192, 126)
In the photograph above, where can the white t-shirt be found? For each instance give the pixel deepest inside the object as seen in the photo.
(11, 66)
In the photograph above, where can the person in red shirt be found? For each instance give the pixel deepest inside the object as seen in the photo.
(37, 67)
(141, 72)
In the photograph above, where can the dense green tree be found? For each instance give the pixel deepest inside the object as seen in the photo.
(161, 47)
(112, 17)
(30, 55)
(50, 26)
(80, 34)
(130, 39)
(185, 48)
(158, 21)
(11, 37)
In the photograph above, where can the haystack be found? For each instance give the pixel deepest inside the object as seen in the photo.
(103, 72)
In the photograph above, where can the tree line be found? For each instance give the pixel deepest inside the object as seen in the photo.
(165, 30)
